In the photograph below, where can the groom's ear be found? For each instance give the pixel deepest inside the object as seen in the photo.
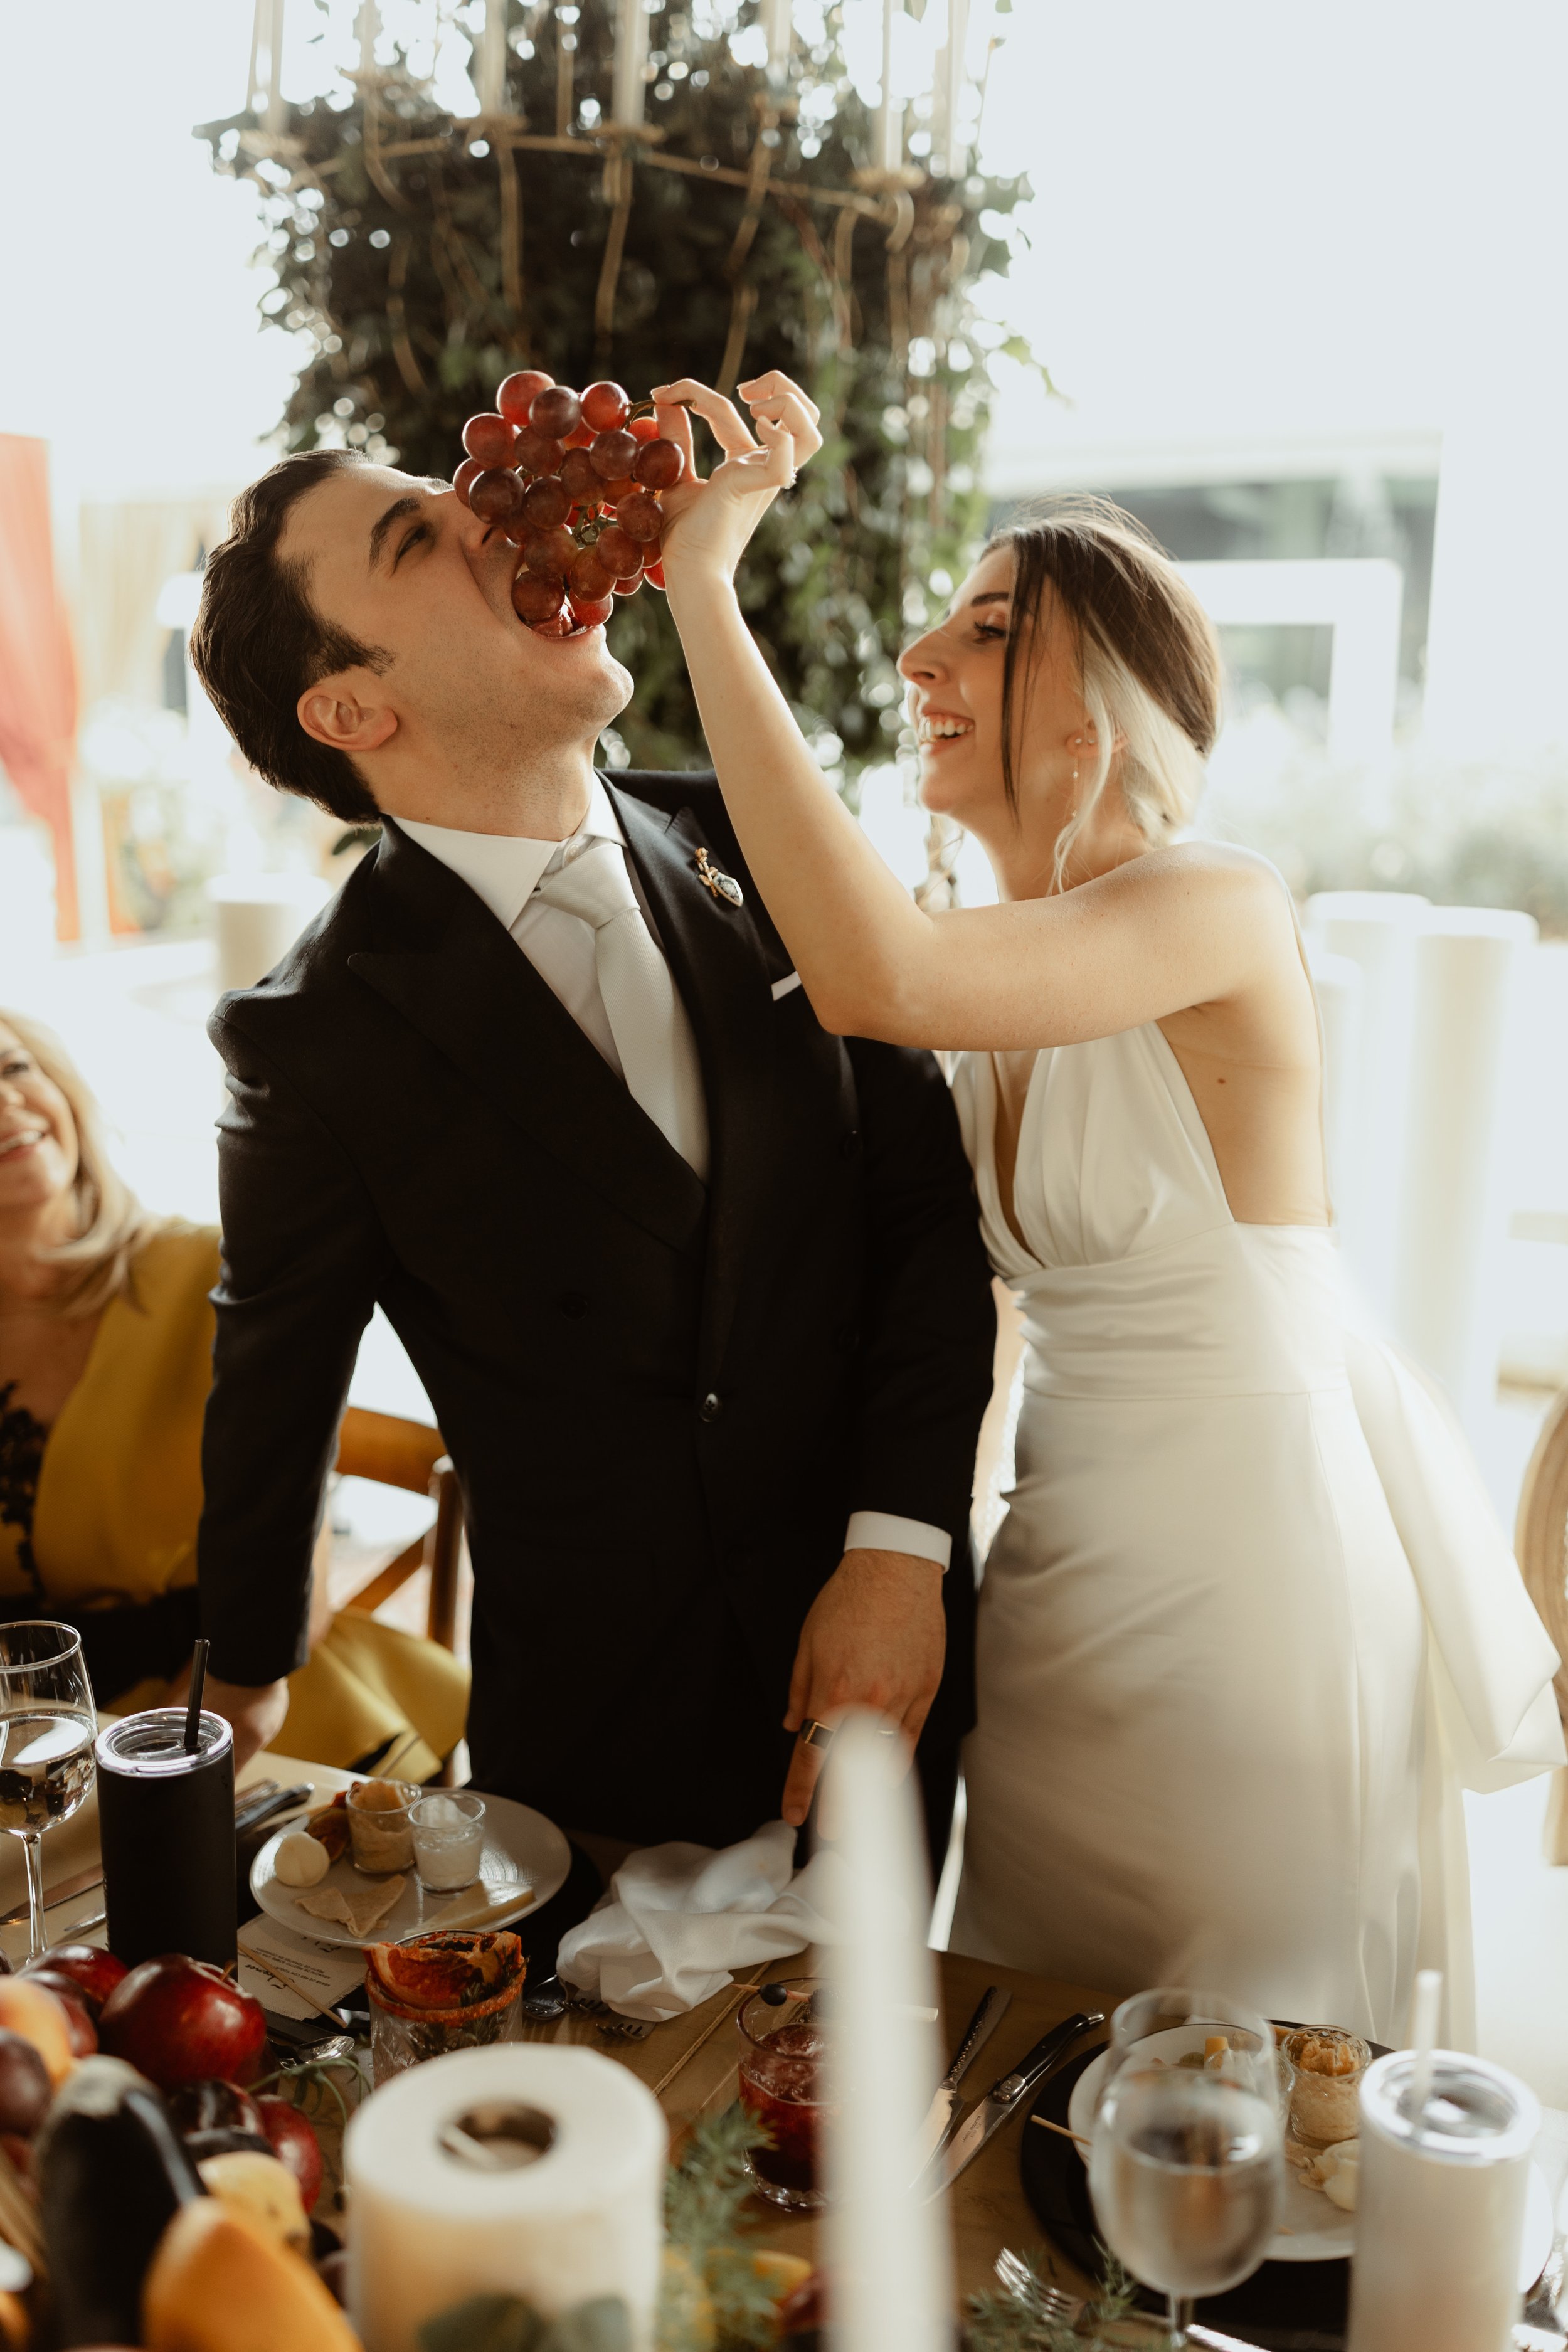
(348, 712)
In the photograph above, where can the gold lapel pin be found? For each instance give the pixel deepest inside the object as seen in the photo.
(712, 877)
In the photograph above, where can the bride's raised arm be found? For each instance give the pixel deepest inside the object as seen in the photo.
(1192, 925)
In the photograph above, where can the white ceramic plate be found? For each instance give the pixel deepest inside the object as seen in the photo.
(1311, 2229)
(521, 1850)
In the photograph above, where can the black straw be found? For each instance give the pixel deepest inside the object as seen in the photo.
(193, 1712)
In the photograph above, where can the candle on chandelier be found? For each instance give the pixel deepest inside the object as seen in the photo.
(777, 27)
(492, 60)
(368, 23)
(631, 55)
(889, 114)
(949, 91)
(269, 15)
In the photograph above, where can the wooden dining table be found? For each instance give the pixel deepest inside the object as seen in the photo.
(690, 2060)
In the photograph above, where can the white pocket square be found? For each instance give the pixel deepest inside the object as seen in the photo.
(782, 987)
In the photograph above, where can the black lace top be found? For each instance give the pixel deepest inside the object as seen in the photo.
(22, 1442)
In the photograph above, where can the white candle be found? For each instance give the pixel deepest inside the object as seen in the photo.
(369, 27)
(631, 56)
(272, 119)
(432, 2222)
(888, 2252)
(492, 60)
(776, 24)
(890, 116)
(1440, 2208)
(950, 96)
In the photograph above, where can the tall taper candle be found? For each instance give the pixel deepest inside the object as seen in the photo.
(954, 146)
(888, 2253)
(631, 56)
(369, 27)
(777, 27)
(492, 60)
(890, 115)
(272, 119)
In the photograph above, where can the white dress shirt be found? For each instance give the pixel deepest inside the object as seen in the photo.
(505, 870)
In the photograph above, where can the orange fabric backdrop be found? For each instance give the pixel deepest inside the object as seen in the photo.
(37, 664)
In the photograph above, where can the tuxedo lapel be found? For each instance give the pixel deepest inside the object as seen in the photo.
(718, 961)
(462, 982)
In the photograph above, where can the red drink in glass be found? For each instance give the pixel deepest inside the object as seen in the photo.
(782, 2055)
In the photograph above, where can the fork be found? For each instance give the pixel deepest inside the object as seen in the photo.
(1041, 2300)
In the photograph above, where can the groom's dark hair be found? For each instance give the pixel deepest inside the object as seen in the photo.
(258, 642)
(1126, 601)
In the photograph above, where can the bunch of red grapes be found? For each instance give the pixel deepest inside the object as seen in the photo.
(573, 479)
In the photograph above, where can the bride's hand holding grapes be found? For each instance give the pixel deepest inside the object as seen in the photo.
(710, 523)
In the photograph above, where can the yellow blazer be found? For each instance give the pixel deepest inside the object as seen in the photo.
(119, 1500)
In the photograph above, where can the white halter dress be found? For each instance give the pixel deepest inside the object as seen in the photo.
(1248, 1624)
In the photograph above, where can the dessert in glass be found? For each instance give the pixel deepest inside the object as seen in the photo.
(379, 1826)
(1326, 2066)
(783, 2051)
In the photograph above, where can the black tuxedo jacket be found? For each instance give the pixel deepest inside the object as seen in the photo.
(662, 1398)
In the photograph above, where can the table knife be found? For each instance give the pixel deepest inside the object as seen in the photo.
(994, 2006)
(1005, 2098)
(66, 1891)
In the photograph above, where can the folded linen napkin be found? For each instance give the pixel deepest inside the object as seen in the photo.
(677, 1920)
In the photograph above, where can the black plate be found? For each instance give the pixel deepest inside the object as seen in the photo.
(1299, 2305)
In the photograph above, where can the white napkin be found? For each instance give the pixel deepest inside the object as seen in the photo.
(677, 1920)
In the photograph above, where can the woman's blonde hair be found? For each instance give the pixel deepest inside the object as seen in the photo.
(112, 1224)
(1148, 661)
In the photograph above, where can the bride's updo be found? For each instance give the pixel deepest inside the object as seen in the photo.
(1149, 659)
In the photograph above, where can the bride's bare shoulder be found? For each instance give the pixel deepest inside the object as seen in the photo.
(1220, 872)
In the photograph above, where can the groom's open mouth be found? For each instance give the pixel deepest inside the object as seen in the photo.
(936, 728)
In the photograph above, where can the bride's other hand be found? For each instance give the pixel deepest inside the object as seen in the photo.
(711, 522)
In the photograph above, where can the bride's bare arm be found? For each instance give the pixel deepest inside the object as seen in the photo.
(1189, 926)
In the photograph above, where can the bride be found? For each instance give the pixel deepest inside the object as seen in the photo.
(1248, 1623)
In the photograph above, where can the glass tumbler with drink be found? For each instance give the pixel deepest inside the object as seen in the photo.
(783, 2053)
(47, 1723)
(1186, 2163)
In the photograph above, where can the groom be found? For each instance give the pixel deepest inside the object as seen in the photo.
(694, 1287)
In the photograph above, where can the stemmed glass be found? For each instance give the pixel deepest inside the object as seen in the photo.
(47, 1725)
(1186, 2163)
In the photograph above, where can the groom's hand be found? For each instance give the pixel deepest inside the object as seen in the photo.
(876, 1636)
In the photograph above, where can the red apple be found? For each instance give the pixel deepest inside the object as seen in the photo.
(96, 1971)
(69, 1993)
(24, 2087)
(294, 2143)
(181, 2020)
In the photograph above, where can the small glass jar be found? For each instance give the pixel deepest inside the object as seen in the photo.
(448, 1829)
(379, 1828)
(1326, 2063)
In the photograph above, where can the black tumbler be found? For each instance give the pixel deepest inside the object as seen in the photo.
(167, 1826)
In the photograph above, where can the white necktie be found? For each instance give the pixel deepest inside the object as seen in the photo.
(647, 1021)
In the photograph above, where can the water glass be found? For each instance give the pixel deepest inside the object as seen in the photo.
(47, 1725)
(1186, 2161)
(448, 1838)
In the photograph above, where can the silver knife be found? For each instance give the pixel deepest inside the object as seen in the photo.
(1006, 2099)
(82, 1883)
(994, 2006)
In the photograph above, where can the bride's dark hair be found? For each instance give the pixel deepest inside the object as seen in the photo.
(1148, 656)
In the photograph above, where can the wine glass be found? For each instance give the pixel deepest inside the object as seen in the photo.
(1186, 2161)
(47, 1725)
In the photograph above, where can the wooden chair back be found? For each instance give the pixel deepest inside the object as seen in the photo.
(1541, 1544)
(409, 1454)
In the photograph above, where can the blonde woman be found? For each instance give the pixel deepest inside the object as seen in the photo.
(1218, 1743)
(106, 1333)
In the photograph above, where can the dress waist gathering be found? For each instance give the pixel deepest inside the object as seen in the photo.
(1232, 1310)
